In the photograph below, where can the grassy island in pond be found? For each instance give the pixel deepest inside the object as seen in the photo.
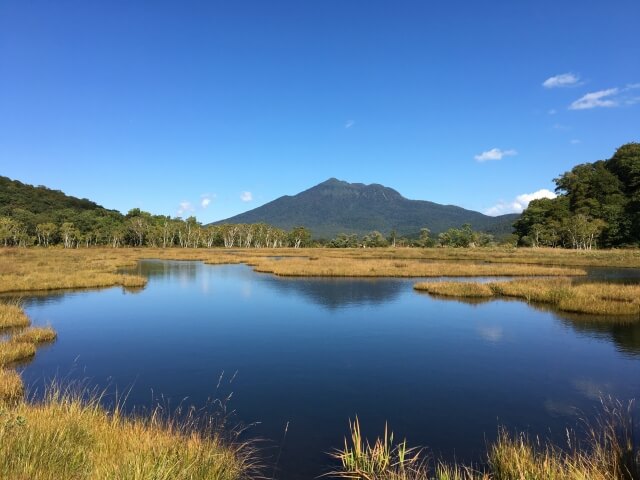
(592, 298)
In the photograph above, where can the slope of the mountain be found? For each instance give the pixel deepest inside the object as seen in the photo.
(335, 206)
(18, 199)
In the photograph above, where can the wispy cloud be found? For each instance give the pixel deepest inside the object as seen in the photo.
(562, 80)
(553, 111)
(246, 196)
(601, 98)
(185, 207)
(518, 204)
(349, 124)
(206, 199)
(611, 97)
(575, 141)
(494, 154)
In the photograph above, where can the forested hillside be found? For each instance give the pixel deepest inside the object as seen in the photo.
(40, 216)
(598, 204)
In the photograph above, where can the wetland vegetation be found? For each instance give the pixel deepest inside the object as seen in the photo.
(592, 298)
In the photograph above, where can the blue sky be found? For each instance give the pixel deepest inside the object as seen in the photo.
(213, 108)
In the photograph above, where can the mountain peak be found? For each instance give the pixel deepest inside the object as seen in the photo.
(336, 206)
(341, 188)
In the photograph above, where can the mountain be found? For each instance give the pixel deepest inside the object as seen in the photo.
(335, 206)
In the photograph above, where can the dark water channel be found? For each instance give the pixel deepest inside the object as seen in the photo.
(313, 353)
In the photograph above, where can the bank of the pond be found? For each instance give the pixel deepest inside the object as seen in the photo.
(46, 269)
(591, 298)
(18, 342)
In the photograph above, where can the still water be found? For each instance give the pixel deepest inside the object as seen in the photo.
(314, 353)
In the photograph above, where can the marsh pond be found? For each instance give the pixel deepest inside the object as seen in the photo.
(299, 357)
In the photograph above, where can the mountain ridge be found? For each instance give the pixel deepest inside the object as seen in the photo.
(336, 206)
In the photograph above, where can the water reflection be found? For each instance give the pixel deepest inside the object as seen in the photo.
(626, 337)
(622, 331)
(333, 293)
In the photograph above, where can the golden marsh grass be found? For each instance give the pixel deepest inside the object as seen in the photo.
(11, 388)
(608, 453)
(51, 269)
(56, 268)
(456, 289)
(35, 335)
(591, 298)
(66, 437)
(348, 267)
(15, 351)
(12, 316)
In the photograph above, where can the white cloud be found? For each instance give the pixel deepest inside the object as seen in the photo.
(494, 154)
(562, 80)
(206, 199)
(601, 98)
(611, 97)
(349, 124)
(246, 196)
(575, 141)
(553, 111)
(185, 207)
(518, 204)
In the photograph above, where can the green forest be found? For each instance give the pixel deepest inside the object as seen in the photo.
(39, 216)
(598, 205)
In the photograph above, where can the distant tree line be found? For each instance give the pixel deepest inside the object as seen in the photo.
(598, 205)
(74, 229)
(453, 237)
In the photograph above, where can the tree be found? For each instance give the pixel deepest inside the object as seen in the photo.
(425, 238)
(14, 232)
(69, 233)
(374, 239)
(138, 223)
(45, 232)
(300, 237)
(344, 240)
(601, 198)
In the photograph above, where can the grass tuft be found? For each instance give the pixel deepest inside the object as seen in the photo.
(12, 315)
(456, 289)
(35, 335)
(15, 351)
